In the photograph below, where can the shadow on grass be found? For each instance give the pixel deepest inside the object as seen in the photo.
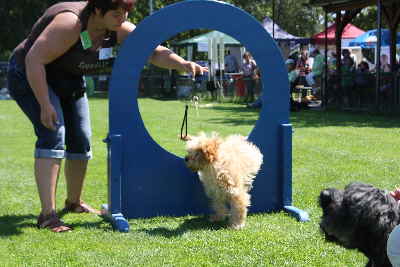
(240, 115)
(13, 224)
(235, 115)
(312, 118)
(193, 224)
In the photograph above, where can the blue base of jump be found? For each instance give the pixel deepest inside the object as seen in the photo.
(117, 220)
(299, 214)
(144, 180)
(121, 224)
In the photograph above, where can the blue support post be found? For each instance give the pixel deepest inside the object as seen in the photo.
(300, 215)
(114, 207)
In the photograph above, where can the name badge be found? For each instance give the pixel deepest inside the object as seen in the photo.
(105, 53)
(85, 40)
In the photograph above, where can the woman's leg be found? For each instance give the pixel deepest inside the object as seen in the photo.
(46, 175)
(49, 147)
(78, 133)
(75, 172)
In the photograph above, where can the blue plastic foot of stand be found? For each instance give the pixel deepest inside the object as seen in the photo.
(299, 214)
(118, 220)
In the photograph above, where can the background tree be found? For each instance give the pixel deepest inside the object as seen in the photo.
(17, 18)
(294, 16)
(366, 20)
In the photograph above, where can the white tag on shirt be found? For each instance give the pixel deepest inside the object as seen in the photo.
(105, 53)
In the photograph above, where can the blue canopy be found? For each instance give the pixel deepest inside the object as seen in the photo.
(369, 39)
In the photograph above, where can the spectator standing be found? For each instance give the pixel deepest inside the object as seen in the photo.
(347, 60)
(231, 63)
(249, 68)
(314, 77)
(385, 66)
(293, 75)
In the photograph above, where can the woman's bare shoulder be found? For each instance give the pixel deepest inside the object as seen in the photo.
(67, 22)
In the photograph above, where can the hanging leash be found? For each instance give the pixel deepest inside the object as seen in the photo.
(184, 123)
(195, 102)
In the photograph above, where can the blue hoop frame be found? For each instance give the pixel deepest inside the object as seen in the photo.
(144, 179)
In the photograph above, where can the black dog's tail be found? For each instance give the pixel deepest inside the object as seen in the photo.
(325, 198)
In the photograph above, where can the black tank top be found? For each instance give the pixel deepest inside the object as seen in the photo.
(65, 72)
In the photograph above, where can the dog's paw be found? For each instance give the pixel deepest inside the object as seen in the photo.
(216, 218)
(235, 226)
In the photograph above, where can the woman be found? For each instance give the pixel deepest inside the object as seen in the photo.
(70, 40)
(249, 68)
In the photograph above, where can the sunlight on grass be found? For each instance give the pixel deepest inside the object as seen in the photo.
(329, 149)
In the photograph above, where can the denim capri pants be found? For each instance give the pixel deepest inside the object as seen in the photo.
(71, 139)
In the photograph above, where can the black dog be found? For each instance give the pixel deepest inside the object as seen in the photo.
(360, 217)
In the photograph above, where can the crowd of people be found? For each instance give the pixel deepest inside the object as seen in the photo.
(302, 71)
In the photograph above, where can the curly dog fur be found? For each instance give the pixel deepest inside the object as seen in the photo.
(360, 217)
(226, 168)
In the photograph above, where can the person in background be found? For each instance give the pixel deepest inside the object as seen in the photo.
(347, 61)
(293, 75)
(385, 66)
(303, 63)
(346, 90)
(46, 79)
(231, 64)
(332, 62)
(363, 67)
(362, 71)
(249, 69)
(314, 77)
(362, 80)
(386, 86)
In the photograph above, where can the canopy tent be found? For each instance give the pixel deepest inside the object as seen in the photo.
(203, 38)
(349, 32)
(369, 39)
(281, 35)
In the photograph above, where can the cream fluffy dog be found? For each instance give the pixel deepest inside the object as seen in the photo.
(226, 168)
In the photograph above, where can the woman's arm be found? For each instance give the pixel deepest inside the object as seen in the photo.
(162, 56)
(54, 41)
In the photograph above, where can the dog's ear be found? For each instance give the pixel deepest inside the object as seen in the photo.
(209, 150)
(325, 198)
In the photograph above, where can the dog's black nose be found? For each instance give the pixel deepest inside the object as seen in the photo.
(186, 158)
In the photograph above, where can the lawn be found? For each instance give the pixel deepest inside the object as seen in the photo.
(330, 149)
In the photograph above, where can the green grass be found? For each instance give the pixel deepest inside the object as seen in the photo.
(329, 149)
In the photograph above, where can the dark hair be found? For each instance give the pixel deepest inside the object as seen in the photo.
(365, 64)
(345, 51)
(106, 5)
(247, 53)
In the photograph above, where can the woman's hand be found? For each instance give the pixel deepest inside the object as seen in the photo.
(48, 116)
(396, 194)
(193, 68)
